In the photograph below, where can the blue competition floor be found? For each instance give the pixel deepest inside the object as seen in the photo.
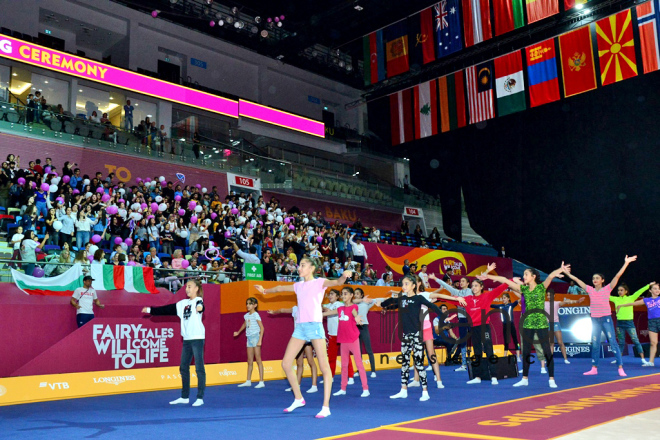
(248, 413)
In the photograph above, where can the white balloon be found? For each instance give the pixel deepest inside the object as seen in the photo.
(161, 179)
(278, 211)
(248, 214)
(162, 207)
(122, 213)
(121, 191)
(270, 217)
(305, 220)
(135, 206)
(183, 234)
(159, 199)
(204, 190)
(124, 246)
(198, 208)
(86, 182)
(55, 181)
(310, 233)
(57, 225)
(207, 221)
(88, 195)
(253, 223)
(53, 188)
(279, 218)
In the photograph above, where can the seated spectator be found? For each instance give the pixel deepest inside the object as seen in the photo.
(95, 118)
(65, 257)
(385, 280)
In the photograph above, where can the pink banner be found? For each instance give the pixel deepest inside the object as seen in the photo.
(281, 118)
(84, 68)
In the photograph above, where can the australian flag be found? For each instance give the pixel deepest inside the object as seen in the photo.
(447, 27)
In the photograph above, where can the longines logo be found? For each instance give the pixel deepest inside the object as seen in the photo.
(228, 373)
(114, 380)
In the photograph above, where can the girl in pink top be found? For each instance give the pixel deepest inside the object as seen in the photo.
(310, 293)
(601, 315)
(348, 335)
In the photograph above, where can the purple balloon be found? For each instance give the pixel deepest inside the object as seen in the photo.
(143, 206)
(90, 258)
(138, 180)
(213, 215)
(47, 170)
(177, 198)
(121, 201)
(185, 264)
(192, 204)
(261, 223)
(38, 250)
(227, 234)
(182, 212)
(154, 14)
(66, 179)
(163, 183)
(154, 206)
(129, 242)
(198, 186)
(131, 263)
(21, 181)
(319, 239)
(193, 219)
(287, 220)
(105, 198)
(117, 240)
(262, 212)
(96, 238)
(45, 187)
(38, 272)
(292, 227)
(60, 199)
(148, 179)
(234, 211)
(75, 191)
(99, 189)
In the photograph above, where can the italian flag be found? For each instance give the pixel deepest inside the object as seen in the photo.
(61, 285)
(129, 278)
(426, 106)
(509, 84)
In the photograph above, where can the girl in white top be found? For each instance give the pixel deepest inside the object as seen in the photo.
(310, 293)
(16, 243)
(254, 331)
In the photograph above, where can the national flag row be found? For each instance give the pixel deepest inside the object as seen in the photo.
(499, 86)
(446, 28)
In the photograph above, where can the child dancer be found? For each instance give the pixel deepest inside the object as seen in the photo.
(506, 310)
(624, 318)
(192, 330)
(533, 292)
(365, 337)
(653, 307)
(601, 315)
(333, 323)
(348, 336)
(409, 305)
(556, 330)
(310, 294)
(254, 332)
(306, 352)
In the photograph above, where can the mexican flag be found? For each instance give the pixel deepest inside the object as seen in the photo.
(61, 285)
(129, 278)
(509, 84)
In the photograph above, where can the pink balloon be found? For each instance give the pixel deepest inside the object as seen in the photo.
(261, 223)
(66, 179)
(60, 199)
(185, 264)
(129, 242)
(38, 250)
(99, 189)
(193, 219)
(131, 263)
(213, 215)
(154, 206)
(163, 183)
(96, 238)
(319, 239)
(262, 212)
(105, 198)
(138, 180)
(148, 179)
(287, 220)
(182, 212)
(45, 187)
(292, 227)
(75, 191)
(55, 174)
(150, 217)
(234, 211)
(198, 186)
(38, 272)
(121, 201)
(227, 234)
(47, 170)
(154, 14)
(90, 258)
(118, 240)
(21, 181)
(177, 198)
(143, 206)
(192, 204)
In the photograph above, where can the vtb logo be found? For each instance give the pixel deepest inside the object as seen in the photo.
(55, 385)
(5, 46)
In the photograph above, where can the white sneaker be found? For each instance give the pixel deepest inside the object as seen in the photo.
(351, 381)
(520, 371)
(365, 393)
(648, 364)
(198, 402)
(461, 368)
(403, 394)
(339, 393)
(296, 404)
(643, 361)
(544, 371)
(247, 383)
(261, 384)
(493, 381)
(439, 384)
(429, 368)
(473, 381)
(288, 389)
(179, 401)
(613, 362)
(521, 383)
(373, 375)
(312, 389)
(325, 412)
(356, 374)
(566, 361)
(552, 383)
(425, 396)
(413, 384)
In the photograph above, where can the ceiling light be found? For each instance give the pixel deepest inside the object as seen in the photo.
(342, 63)
(264, 33)
(221, 22)
(349, 67)
(80, 91)
(230, 20)
(46, 82)
(586, 11)
(234, 10)
(280, 57)
(14, 74)
(111, 98)
(357, 6)
(254, 29)
(579, 6)
(279, 24)
(257, 19)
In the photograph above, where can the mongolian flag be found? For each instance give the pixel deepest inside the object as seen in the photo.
(647, 21)
(448, 27)
(374, 58)
(451, 89)
(508, 15)
(540, 9)
(422, 41)
(616, 47)
(577, 61)
(426, 109)
(396, 49)
(401, 117)
(542, 73)
(476, 21)
(480, 92)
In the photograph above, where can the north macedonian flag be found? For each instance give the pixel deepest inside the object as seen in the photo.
(616, 48)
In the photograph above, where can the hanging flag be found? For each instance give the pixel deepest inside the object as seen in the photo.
(508, 15)
(401, 118)
(374, 58)
(577, 61)
(509, 84)
(422, 43)
(616, 48)
(396, 49)
(480, 92)
(451, 89)
(540, 9)
(448, 27)
(426, 109)
(542, 73)
(647, 21)
(568, 4)
(61, 285)
(476, 21)
(130, 278)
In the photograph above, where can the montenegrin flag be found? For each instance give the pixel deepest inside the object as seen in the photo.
(129, 278)
(616, 47)
(61, 285)
(577, 61)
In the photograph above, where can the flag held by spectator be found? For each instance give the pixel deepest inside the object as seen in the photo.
(577, 61)
(647, 21)
(509, 84)
(451, 89)
(422, 43)
(540, 9)
(616, 47)
(448, 27)
(396, 49)
(480, 92)
(476, 21)
(508, 15)
(426, 108)
(61, 285)
(130, 278)
(374, 58)
(401, 118)
(542, 73)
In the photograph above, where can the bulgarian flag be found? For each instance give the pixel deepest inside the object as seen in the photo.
(61, 285)
(129, 278)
